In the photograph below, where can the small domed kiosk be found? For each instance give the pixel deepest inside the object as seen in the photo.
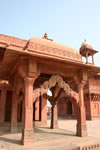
(87, 50)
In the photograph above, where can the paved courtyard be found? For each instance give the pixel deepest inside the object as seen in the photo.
(93, 126)
(53, 139)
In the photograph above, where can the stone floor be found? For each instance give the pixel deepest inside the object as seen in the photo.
(53, 139)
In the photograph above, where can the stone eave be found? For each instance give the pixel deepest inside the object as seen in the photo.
(38, 53)
(79, 64)
(18, 50)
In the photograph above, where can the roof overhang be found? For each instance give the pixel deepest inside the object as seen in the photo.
(12, 48)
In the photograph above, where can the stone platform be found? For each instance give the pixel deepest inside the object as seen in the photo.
(49, 139)
(45, 138)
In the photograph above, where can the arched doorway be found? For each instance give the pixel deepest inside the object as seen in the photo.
(69, 108)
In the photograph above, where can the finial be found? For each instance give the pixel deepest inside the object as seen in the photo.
(46, 36)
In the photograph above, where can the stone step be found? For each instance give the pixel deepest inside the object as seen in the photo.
(91, 147)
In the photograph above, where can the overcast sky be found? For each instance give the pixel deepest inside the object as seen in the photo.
(66, 21)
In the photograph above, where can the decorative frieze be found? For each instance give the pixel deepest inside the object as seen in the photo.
(66, 53)
(95, 97)
(12, 40)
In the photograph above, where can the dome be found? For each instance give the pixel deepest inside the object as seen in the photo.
(85, 45)
(52, 44)
(49, 48)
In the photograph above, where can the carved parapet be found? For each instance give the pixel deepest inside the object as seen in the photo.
(12, 40)
(62, 53)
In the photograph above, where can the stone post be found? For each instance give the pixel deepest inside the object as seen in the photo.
(37, 109)
(81, 116)
(14, 127)
(27, 134)
(3, 105)
(23, 113)
(92, 59)
(54, 117)
(86, 58)
(44, 110)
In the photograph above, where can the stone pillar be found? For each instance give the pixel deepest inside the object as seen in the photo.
(86, 58)
(3, 105)
(27, 133)
(19, 112)
(14, 127)
(44, 110)
(54, 117)
(81, 116)
(37, 109)
(92, 60)
(90, 107)
(23, 113)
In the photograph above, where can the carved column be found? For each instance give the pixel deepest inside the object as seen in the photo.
(23, 113)
(37, 109)
(81, 116)
(43, 110)
(27, 134)
(86, 57)
(92, 59)
(54, 117)
(90, 107)
(28, 72)
(2, 104)
(56, 92)
(14, 127)
(19, 112)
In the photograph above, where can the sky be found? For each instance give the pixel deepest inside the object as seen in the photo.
(66, 21)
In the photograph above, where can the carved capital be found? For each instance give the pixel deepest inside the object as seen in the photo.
(29, 81)
(81, 77)
(28, 67)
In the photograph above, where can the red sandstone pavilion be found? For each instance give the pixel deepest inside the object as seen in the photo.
(28, 68)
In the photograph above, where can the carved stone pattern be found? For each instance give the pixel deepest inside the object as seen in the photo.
(91, 146)
(13, 40)
(55, 79)
(54, 51)
(95, 97)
